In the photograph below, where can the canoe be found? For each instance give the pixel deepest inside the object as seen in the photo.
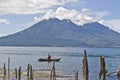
(44, 59)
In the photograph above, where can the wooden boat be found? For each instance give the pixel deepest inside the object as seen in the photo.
(44, 59)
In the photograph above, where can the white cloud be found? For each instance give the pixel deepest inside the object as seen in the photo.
(100, 15)
(62, 13)
(97, 15)
(30, 6)
(3, 34)
(81, 17)
(86, 11)
(4, 21)
(113, 24)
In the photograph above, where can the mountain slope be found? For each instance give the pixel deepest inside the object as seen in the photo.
(54, 32)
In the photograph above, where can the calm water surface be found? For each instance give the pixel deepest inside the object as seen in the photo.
(70, 62)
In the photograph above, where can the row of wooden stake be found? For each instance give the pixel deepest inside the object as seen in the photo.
(53, 73)
(102, 73)
(18, 73)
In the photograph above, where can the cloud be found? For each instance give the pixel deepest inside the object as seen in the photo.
(96, 14)
(100, 15)
(31, 6)
(63, 13)
(112, 24)
(4, 21)
(86, 11)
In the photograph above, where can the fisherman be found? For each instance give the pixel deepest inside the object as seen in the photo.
(49, 57)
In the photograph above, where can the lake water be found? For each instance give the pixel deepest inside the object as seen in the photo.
(70, 62)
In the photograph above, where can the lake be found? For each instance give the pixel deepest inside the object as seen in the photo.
(70, 62)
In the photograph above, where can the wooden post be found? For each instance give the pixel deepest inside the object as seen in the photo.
(85, 67)
(19, 73)
(4, 71)
(76, 75)
(118, 73)
(51, 74)
(8, 68)
(31, 73)
(102, 73)
(16, 73)
(28, 71)
(54, 73)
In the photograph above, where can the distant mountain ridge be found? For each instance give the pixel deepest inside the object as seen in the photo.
(55, 32)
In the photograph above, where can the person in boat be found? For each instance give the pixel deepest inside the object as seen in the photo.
(49, 57)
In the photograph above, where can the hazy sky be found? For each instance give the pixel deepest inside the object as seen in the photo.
(16, 15)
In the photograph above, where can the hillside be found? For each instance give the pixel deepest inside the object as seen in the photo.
(55, 32)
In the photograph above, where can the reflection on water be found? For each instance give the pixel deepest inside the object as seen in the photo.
(70, 62)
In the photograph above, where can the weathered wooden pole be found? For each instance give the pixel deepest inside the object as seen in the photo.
(51, 74)
(118, 73)
(76, 75)
(16, 73)
(85, 67)
(4, 71)
(31, 73)
(8, 68)
(19, 73)
(102, 73)
(28, 71)
(54, 73)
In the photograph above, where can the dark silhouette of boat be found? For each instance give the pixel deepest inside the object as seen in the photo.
(45, 59)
